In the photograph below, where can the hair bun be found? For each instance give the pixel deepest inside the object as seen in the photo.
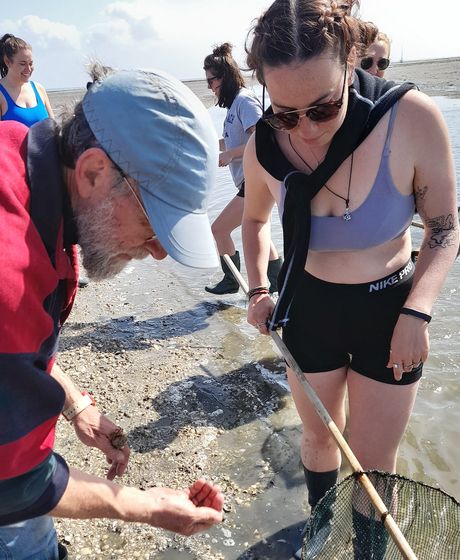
(6, 37)
(223, 50)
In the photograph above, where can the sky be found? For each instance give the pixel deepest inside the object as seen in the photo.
(176, 35)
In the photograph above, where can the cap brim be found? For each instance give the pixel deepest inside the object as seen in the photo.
(185, 236)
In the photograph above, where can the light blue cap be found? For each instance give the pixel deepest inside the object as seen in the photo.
(158, 131)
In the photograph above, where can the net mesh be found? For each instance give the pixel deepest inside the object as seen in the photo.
(344, 524)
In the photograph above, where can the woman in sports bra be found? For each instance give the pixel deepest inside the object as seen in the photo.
(356, 154)
(20, 99)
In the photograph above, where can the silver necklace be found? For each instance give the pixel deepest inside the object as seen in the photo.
(346, 215)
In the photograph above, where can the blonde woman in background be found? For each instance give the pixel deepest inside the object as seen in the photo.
(377, 57)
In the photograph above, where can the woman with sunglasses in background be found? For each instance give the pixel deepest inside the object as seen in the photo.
(243, 111)
(345, 156)
(377, 57)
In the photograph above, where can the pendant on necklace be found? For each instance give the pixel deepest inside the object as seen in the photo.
(347, 215)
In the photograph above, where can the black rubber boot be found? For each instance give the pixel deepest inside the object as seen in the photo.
(228, 284)
(317, 533)
(62, 550)
(370, 539)
(273, 270)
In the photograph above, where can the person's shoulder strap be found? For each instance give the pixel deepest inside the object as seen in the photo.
(382, 94)
(6, 94)
(35, 90)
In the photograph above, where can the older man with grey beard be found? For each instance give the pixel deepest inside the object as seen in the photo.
(126, 176)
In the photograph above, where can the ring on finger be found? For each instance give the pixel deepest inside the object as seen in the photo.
(414, 364)
(396, 366)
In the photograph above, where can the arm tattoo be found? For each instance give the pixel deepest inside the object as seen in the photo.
(420, 194)
(442, 228)
(443, 232)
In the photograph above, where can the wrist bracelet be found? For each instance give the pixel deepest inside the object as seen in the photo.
(414, 313)
(78, 406)
(258, 290)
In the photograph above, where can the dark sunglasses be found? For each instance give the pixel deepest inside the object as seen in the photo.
(368, 61)
(287, 120)
(211, 79)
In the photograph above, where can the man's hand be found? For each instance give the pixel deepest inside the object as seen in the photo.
(94, 429)
(187, 511)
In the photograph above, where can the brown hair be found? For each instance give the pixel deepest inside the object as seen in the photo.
(9, 47)
(222, 64)
(383, 38)
(296, 30)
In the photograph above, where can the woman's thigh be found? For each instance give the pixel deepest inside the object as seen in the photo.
(231, 216)
(378, 416)
(34, 539)
(330, 388)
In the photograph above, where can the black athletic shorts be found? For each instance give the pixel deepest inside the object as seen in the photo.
(334, 325)
(241, 190)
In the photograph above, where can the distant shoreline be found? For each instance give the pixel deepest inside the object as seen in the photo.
(427, 61)
(437, 76)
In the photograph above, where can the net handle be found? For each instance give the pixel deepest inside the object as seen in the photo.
(395, 532)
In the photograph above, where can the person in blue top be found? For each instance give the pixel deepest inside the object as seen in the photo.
(243, 111)
(20, 99)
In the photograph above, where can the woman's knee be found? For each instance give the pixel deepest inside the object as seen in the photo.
(220, 230)
(319, 438)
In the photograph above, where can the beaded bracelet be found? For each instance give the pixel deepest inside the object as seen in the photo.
(414, 313)
(258, 290)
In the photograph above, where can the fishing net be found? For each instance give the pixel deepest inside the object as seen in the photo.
(344, 524)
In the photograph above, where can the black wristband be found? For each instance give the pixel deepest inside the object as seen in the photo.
(414, 313)
(258, 290)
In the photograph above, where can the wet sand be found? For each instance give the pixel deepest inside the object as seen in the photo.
(434, 77)
(198, 392)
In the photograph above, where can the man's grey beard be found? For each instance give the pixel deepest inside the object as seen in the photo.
(96, 236)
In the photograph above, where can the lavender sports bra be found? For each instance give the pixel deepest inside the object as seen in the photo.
(384, 215)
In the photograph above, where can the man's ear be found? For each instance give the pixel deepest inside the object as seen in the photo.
(93, 173)
(156, 249)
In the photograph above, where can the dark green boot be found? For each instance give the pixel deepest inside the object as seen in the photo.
(228, 284)
(273, 270)
(62, 550)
